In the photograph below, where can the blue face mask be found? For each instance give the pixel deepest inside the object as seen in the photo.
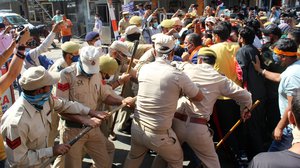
(276, 58)
(75, 58)
(155, 25)
(37, 100)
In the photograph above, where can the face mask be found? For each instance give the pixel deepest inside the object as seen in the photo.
(75, 58)
(37, 100)
(155, 25)
(266, 39)
(177, 42)
(281, 21)
(109, 78)
(96, 18)
(98, 43)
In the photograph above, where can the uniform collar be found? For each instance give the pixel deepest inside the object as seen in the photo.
(31, 110)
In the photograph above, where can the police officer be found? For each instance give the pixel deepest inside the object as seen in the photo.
(26, 124)
(160, 85)
(81, 82)
(195, 115)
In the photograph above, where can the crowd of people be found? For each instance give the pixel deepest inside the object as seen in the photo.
(178, 76)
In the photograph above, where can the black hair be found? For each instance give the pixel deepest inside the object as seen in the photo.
(287, 44)
(208, 59)
(296, 106)
(247, 34)
(221, 31)
(133, 37)
(195, 39)
(228, 25)
(187, 21)
(295, 33)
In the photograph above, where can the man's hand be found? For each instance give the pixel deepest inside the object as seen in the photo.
(57, 27)
(92, 122)
(98, 114)
(129, 101)
(61, 149)
(245, 114)
(124, 78)
(185, 56)
(7, 29)
(277, 133)
(25, 36)
(256, 64)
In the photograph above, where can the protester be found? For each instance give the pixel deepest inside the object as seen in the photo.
(66, 29)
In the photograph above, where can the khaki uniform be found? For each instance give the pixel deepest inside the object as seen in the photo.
(123, 25)
(26, 130)
(189, 114)
(58, 65)
(130, 88)
(160, 86)
(75, 86)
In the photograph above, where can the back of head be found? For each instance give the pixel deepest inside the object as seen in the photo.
(294, 34)
(287, 45)
(164, 44)
(207, 55)
(132, 33)
(221, 31)
(195, 39)
(247, 34)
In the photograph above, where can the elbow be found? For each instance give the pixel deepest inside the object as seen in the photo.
(198, 97)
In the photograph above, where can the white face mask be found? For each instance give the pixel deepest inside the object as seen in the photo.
(98, 43)
(296, 135)
(111, 77)
(281, 21)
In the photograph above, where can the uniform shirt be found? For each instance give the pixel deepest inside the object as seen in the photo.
(160, 86)
(76, 87)
(289, 83)
(26, 130)
(141, 49)
(212, 84)
(32, 57)
(123, 24)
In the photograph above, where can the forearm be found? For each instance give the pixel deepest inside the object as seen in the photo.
(110, 100)
(7, 53)
(270, 75)
(74, 117)
(34, 53)
(13, 71)
(283, 121)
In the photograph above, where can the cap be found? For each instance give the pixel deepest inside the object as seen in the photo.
(89, 56)
(91, 36)
(132, 30)
(164, 44)
(153, 37)
(70, 47)
(284, 27)
(120, 46)
(177, 21)
(2, 25)
(263, 18)
(38, 77)
(108, 65)
(136, 20)
(125, 13)
(211, 19)
(167, 23)
(207, 52)
(272, 29)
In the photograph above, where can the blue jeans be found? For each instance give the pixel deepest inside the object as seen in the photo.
(284, 143)
(65, 39)
(2, 163)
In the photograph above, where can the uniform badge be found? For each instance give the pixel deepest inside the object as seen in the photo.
(13, 144)
(63, 87)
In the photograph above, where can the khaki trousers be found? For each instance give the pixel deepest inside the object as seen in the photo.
(98, 147)
(165, 143)
(199, 139)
